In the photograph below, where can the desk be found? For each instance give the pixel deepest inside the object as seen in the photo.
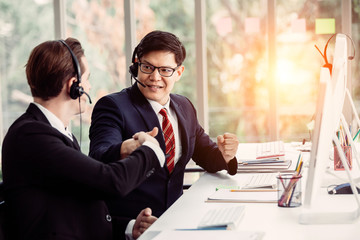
(277, 223)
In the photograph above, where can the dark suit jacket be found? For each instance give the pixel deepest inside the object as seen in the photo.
(118, 116)
(53, 191)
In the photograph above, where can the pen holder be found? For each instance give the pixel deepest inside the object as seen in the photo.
(337, 161)
(289, 190)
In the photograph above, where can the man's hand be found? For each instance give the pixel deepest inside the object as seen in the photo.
(228, 145)
(129, 145)
(143, 222)
(148, 136)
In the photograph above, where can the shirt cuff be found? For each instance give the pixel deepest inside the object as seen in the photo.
(128, 230)
(159, 153)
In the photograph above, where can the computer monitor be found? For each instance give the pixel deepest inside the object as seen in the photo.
(319, 142)
(329, 108)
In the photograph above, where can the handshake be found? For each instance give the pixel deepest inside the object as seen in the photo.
(129, 145)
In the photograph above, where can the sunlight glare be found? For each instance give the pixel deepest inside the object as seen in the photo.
(287, 72)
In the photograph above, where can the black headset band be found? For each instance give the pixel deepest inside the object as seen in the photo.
(75, 61)
(327, 43)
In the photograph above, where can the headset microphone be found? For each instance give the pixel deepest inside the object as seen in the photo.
(140, 83)
(133, 72)
(81, 90)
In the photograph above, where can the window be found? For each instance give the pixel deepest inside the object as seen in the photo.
(240, 56)
(22, 27)
(99, 26)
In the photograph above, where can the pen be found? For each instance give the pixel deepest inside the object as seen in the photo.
(356, 134)
(299, 166)
(298, 161)
(342, 135)
(253, 190)
(270, 160)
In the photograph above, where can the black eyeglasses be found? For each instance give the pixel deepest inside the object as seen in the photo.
(163, 71)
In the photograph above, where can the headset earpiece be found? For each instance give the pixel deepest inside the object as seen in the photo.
(76, 90)
(133, 69)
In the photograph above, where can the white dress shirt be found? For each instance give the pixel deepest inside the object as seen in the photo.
(174, 122)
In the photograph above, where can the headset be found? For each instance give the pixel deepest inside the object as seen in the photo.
(133, 69)
(76, 90)
(327, 64)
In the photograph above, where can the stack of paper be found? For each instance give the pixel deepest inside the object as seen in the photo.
(259, 195)
(265, 165)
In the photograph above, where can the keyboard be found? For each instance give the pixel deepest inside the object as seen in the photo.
(228, 217)
(270, 150)
(260, 180)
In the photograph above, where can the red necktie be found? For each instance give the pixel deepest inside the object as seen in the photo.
(169, 140)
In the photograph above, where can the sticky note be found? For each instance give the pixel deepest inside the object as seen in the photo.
(298, 25)
(325, 26)
(252, 25)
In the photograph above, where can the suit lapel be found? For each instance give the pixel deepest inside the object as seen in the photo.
(184, 132)
(146, 112)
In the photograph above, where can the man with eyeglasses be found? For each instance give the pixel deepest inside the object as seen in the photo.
(157, 66)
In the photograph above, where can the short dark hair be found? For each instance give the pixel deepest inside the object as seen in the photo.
(158, 41)
(50, 65)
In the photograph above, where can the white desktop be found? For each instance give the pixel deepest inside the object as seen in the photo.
(266, 220)
(275, 222)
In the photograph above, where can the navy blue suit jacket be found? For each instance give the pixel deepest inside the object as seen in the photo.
(116, 117)
(53, 191)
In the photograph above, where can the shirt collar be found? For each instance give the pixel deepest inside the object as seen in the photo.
(55, 122)
(157, 106)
